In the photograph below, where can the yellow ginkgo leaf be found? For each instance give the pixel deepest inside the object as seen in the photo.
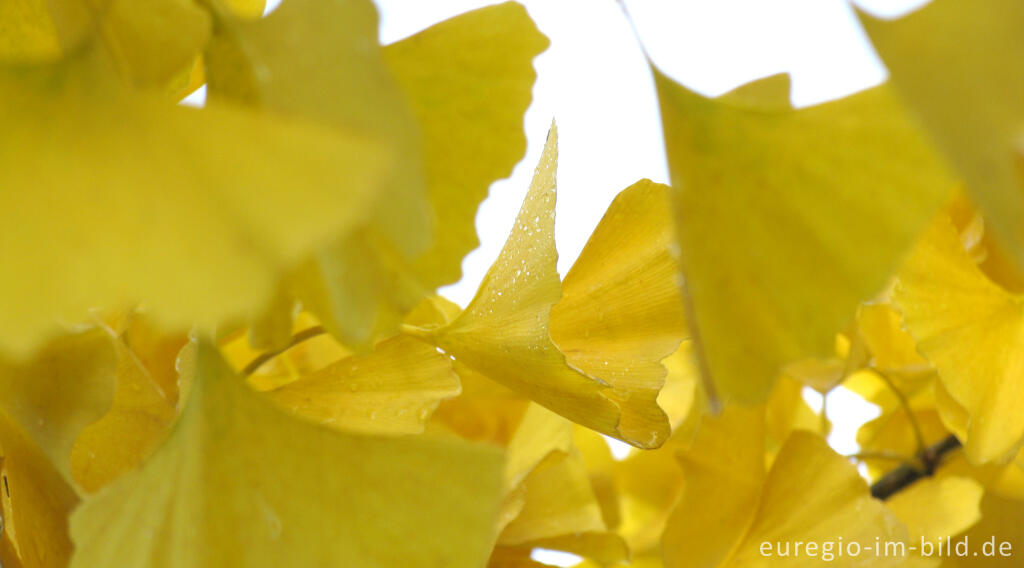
(27, 32)
(645, 486)
(539, 434)
(247, 8)
(892, 349)
(176, 207)
(810, 495)
(308, 349)
(151, 43)
(561, 512)
(935, 508)
(621, 312)
(239, 482)
(69, 384)
(392, 390)
(1002, 521)
(149, 51)
(529, 433)
(340, 80)
(893, 434)
(786, 411)
(787, 219)
(681, 398)
(503, 333)
(956, 66)
(723, 473)
(140, 416)
(468, 81)
(35, 501)
(971, 330)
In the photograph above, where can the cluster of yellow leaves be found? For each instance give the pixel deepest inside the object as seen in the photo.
(222, 343)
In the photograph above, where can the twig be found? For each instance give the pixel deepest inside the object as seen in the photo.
(298, 338)
(901, 477)
(918, 435)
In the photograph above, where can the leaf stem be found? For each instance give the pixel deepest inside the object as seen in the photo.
(915, 426)
(883, 455)
(306, 334)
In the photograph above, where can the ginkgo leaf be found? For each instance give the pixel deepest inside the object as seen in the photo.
(893, 434)
(35, 501)
(67, 385)
(529, 433)
(786, 411)
(892, 349)
(246, 8)
(239, 482)
(340, 80)
(724, 470)
(561, 512)
(467, 82)
(307, 350)
(645, 486)
(1002, 521)
(27, 32)
(787, 219)
(810, 495)
(539, 434)
(177, 207)
(956, 66)
(970, 329)
(621, 312)
(392, 390)
(139, 417)
(503, 333)
(504, 557)
(938, 507)
(681, 398)
(153, 41)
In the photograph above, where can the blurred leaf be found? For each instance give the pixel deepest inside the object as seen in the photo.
(957, 65)
(239, 482)
(177, 207)
(787, 219)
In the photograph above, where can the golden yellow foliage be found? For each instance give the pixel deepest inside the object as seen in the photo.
(222, 341)
(772, 206)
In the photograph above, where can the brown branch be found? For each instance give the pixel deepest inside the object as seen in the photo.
(903, 476)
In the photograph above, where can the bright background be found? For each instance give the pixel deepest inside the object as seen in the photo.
(595, 82)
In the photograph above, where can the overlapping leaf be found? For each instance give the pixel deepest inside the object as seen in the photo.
(391, 390)
(143, 407)
(66, 386)
(35, 501)
(503, 333)
(174, 206)
(971, 330)
(455, 117)
(240, 482)
(810, 495)
(621, 312)
(957, 65)
(788, 218)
